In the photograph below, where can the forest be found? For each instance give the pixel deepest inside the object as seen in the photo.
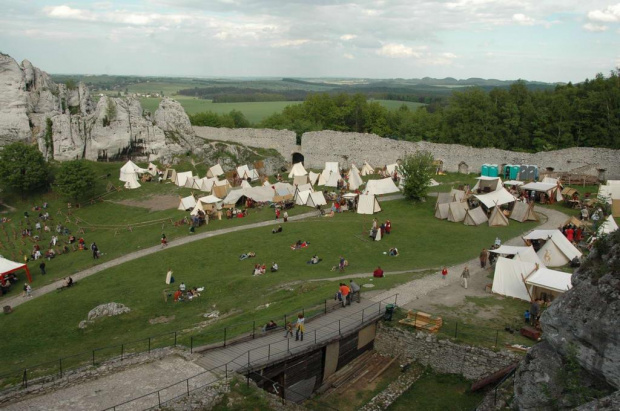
(516, 118)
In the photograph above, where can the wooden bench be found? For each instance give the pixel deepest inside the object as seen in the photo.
(422, 321)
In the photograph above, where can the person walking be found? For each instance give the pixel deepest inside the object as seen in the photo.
(42, 267)
(465, 276)
(355, 291)
(300, 327)
(344, 294)
(484, 256)
(95, 250)
(285, 216)
(444, 272)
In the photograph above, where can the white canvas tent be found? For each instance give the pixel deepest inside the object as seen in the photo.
(513, 183)
(487, 184)
(509, 278)
(192, 182)
(355, 180)
(132, 182)
(316, 199)
(206, 183)
(608, 226)
(444, 198)
(212, 201)
(332, 181)
(313, 177)
(557, 250)
(367, 169)
(304, 187)
(457, 195)
(244, 173)
(221, 188)
(475, 216)
(495, 198)
(197, 207)
(526, 254)
(497, 218)
(609, 192)
(523, 212)
(457, 211)
(187, 203)
(390, 168)
(297, 170)
(181, 178)
(129, 174)
(548, 281)
(245, 184)
(553, 191)
(152, 169)
(383, 186)
(368, 204)
(215, 171)
(301, 197)
(297, 180)
(441, 210)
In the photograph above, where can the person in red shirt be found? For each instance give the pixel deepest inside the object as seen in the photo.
(378, 273)
(444, 272)
(388, 226)
(569, 234)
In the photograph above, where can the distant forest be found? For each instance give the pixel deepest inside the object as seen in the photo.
(517, 117)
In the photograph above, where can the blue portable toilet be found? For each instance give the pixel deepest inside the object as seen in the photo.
(493, 170)
(506, 172)
(514, 172)
(485, 170)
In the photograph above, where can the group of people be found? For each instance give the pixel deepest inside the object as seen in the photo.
(183, 294)
(260, 269)
(384, 228)
(347, 293)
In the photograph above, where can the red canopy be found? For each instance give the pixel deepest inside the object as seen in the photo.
(8, 266)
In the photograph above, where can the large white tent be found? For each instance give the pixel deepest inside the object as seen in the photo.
(215, 171)
(297, 170)
(546, 280)
(181, 178)
(355, 180)
(316, 199)
(192, 182)
(457, 211)
(509, 278)
(557, 250)
(475, 216)
(206, 183)
(608, 226)
(8, 266)
(495, 198)
(129, 174)
(552, 190)
(221, 188)
(368, 204)
(497, 218)
(301, 197)
(383, 186)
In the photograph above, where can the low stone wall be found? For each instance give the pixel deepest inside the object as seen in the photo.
(442, 356)
(284, 141)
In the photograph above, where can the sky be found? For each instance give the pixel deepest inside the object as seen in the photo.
(538, 40)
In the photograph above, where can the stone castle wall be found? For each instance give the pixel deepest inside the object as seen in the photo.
(346, 148)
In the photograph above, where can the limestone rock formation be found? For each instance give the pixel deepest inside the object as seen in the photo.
(580, 357)
(66, 123)
(107, 310)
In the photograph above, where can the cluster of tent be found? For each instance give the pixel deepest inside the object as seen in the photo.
(526, 274)
(130, 174)
(454, 206)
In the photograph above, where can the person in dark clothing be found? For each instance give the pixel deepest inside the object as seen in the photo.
(42, 267)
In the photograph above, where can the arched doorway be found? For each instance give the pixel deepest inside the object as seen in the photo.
(298, 158)
(463, 168)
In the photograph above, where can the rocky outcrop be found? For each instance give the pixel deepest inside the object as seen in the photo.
(66, 123)
(580, 357)
(104, 310)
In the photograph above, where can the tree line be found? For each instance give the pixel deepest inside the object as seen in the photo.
(516, 118)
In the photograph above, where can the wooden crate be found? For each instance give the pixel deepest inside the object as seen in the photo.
(422, 321)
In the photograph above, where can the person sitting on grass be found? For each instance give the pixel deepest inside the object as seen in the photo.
(378, 273)
(394, 252)
(300, 244)
(315, 260)
(249, 254)
(277, 230)
(274, 267)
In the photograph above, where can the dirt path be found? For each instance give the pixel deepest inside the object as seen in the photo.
(432, 290)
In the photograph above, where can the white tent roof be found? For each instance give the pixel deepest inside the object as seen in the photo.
(475, 216)
(494, 183)
(315, 199)
(215, 171)
(391, 168)
(186, 203)
(131, 181)
(152, 169)
(313, 177)
(192, 182)
(613, 182)
(608, 226)
(457, 195)
(210, 199)
(550, 280)
(332, 181)
(350, 195)
(181, 178)
(499, 197)
(301, 198)
(355, 180)
(234, 195)
(261, 194)
(609, 192)
(509, 277)
(540, 187)
(526, 254)
(297, 170)
(130, 169)
(206, 183)
(513, 183)
(557, 250)
(8, 265)
(383, 186)
(300, 179)
(367, 169)
(332, 166)
(550, 180)
(368, 204)
(541, 234)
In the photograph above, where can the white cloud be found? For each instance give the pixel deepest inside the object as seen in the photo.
(347, 37)
(348, 56)
(290, 43)
(611, 14)
(595, 27)
(66, 12)
(523, 20)
(398, 50)
(449, 55)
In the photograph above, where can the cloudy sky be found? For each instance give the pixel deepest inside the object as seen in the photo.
(546, 40)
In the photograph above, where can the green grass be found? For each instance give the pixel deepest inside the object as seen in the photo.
(441, 392)
(46, 328)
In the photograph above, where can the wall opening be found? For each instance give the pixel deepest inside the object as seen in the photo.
(463, 168)
(298, 158)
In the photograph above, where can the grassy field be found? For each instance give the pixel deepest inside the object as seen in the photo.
(46, 328)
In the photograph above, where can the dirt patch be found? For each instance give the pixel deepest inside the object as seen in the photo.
(161, 320)
(155, 203)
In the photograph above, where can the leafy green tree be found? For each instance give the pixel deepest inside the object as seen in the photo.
(75, 180)
(23, 168)
(417, 170)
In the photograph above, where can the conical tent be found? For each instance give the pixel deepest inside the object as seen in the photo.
(497, 218)
(132, 182)
(355, 180)
(441, 211)
(608, 226)
(130, 171)
(297, 170)
(523, 212)
(368, 204)
(367, 169)
(187, 203)
(313, 177)
(475, 216)
(215, 171)
(332, 181)
(456, 211)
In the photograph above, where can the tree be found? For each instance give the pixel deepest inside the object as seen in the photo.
(417, 170)
(23, 168)
(75, 180)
